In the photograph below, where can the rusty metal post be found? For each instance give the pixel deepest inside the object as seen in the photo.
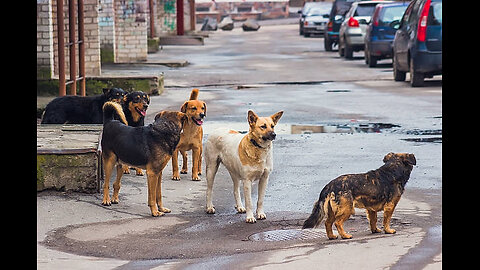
(81, 47)
(72, 45)
(180, 16)
(152, 19)
(61, 49)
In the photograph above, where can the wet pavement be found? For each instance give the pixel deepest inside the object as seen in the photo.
(340, 117)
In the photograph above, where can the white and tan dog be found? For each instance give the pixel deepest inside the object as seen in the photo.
(246, 157)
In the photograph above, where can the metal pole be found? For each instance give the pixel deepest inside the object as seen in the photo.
(71, 44)
(81, 47)
(180, 28)
(61, 49)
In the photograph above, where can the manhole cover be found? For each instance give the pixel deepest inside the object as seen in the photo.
(286, 235)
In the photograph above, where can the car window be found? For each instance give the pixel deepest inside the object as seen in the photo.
(364, 10)
(435, 13)
(318, 11)
(391, 14)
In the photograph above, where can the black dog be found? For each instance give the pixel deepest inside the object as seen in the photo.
(135, 105)
(147, 147)
(376, 190)
(79, 109)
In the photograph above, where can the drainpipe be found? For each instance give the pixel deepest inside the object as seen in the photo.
(180, 20)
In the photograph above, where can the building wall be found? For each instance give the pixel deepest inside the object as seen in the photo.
(131, 31)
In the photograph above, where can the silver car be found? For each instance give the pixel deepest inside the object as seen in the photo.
(354, 26)
(316, 18)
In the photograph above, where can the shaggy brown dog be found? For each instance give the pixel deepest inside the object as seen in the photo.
(147, 147)
(375, 191)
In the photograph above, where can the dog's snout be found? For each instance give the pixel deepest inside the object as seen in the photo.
(273, 135)
(145, 106)
(202, 115)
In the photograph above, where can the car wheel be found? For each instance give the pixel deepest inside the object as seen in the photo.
(372, 60)
(306, 34)
(327, 43)
(348, 51)
(416, 78)
(398, 76)
(340, 48)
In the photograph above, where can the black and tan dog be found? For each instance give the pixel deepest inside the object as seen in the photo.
(135, 105)
(147, 147)
(191, 137)
(79, 109)
(375, 191)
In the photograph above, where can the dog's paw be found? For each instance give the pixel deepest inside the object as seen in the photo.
(196, 178)
(390, 231)
(158, 214)
(139, 172)
(261, 216)
(347, 236)
(165, 210)
(176, 178)
(199, 173)
(126, 171)
(332, 237)
(241, 209)
(115, 201)
(106, 201)
(250, 220)
(377, 230)
(211, 210)
(183, 171)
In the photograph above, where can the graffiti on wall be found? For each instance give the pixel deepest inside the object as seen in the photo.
(169, 16)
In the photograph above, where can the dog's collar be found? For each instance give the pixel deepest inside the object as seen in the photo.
(255, 143)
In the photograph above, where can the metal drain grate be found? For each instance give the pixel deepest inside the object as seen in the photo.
(287, 235)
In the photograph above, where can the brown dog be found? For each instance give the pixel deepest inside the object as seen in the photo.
(191, 138)
(376, 190)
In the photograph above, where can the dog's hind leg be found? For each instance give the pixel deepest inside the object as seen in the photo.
(184, 162)
(117, 184)
(344, 210)
(108, 164)
(196, 155)
(212, 168)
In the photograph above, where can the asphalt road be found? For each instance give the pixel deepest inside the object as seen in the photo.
(267, 71)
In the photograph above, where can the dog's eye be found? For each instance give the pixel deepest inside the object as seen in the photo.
(194, 108)
(264, 126)
(273, 126)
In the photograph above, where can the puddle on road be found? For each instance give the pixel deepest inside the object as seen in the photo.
(309, 129)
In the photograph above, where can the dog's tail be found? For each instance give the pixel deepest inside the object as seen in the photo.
(318, 212)
(194, 94)
(113, 111)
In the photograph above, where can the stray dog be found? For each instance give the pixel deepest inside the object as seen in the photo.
(148, 147)
(135, 105)
(246, 157)
(191, 137)
(79, 109)
(375, 191)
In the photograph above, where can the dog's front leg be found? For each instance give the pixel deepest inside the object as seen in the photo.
(175, 175)
(152, 180)
(159, 195)
(262, 186)
(236, 193)
(247, 192)
(195, 157)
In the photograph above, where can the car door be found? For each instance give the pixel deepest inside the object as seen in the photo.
(402, 36)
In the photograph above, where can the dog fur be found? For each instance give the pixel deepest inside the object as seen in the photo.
(376, 190)
(246, 157)
(191, 137)
(79, 109)
(147, 147)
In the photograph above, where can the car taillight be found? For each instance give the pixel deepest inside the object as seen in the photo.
(422, 24)
(352, 22)
(330, 26)
(305, 23)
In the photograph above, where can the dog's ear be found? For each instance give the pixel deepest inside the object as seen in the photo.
(184, 107)
(252, 118)
(183, 117)
(205, 106)
(276, 117)
(409, 159)
(388, 157)
(148, 99)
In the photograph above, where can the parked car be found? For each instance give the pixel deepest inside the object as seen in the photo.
(316, 19)
(352, 30)
(303, 13)
(417, 47)
(337, 14)
(380, 33)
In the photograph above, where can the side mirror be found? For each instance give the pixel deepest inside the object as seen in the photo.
(338, 18)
